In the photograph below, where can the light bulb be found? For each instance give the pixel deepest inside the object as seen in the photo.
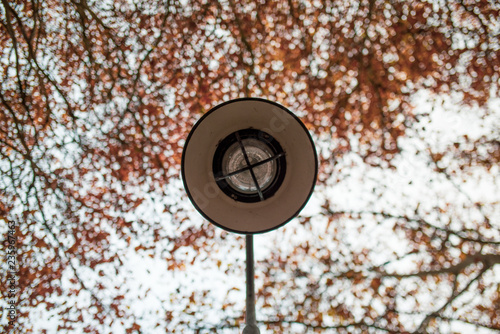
(234, 160)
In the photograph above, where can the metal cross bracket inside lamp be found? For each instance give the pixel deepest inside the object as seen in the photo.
(249, 166)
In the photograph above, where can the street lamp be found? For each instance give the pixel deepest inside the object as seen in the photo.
(249, 166)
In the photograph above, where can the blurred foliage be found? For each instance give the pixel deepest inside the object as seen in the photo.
(96, 100)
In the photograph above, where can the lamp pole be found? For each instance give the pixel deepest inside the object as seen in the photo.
(251, 322)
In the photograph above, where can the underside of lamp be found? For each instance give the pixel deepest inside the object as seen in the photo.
(249, 165)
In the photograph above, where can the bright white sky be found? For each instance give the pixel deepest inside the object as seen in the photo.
(151, 289)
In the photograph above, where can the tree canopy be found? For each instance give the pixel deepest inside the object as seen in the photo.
(401, 98)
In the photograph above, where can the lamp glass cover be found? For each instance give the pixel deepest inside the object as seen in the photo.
(234, 160)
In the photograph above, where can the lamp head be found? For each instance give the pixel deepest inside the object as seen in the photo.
(249, 165)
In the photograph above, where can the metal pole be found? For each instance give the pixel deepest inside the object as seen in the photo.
(251, 322)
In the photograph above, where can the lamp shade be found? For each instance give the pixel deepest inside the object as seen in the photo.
(249, 165)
